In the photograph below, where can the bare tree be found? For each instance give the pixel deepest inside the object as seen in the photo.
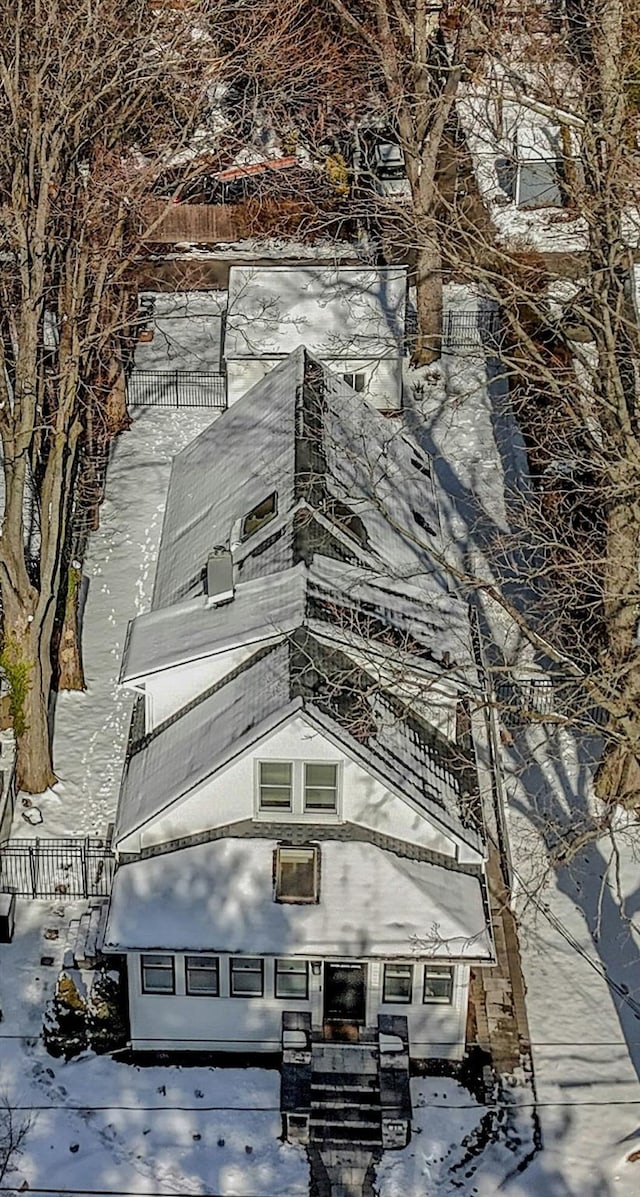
(91, 96)
(13, 1133)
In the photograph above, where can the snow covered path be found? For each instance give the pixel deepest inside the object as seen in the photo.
(91, 729)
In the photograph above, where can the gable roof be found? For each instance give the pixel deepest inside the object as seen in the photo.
(336, 311)
(330, 596)
(349, 484)
(219, 897)
(371, 726)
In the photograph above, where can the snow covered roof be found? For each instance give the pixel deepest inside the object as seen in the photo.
(303, 434)
(348, 598)
(219, 897)
(337, 312)
(371, 726)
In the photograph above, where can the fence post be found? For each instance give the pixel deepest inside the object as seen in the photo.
(85, 866)
(176, 388)
(33, 869)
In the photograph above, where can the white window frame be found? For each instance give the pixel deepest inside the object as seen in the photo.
(388, 968)
(296, 900)
(196, 964)
(237, 972)
(168, 966)
(301, 969)
(436, 967)
(356, 379)
(274, 811)
(297, 811)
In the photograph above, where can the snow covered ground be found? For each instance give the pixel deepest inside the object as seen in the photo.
(91, 728)
(101, 1125)
(585, 1029)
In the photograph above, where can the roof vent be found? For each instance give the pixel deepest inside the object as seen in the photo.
(219, 580)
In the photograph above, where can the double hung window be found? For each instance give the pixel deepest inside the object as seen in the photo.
(398, 983)
(298, 787)
(438, 983)
(158, 974)
(292, 979)
(202, 976)
(246, 976)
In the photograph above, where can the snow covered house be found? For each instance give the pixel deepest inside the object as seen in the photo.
(351, 318)
(299, 830)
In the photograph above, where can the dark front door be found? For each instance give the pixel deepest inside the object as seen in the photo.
(344, 992)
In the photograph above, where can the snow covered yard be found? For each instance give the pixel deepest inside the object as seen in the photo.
(91, 728)
(101, 1125)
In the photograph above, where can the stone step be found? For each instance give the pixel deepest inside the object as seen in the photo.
(337, 1115)
(362, 1134)
(324, 1100)
(344, 1080)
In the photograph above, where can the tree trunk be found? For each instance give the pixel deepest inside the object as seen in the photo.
(26, 660)
(70, 666)
(428, 345)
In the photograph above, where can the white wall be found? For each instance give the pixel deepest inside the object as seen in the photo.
(184, 1022)
(231, 796)
(169, 691)
(384, 377)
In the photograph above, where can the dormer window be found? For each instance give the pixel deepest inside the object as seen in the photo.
(296, 874)
(259, 516)
(356, 381)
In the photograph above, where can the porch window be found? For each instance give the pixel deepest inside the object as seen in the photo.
(398, 983)
(292, 979)
(296, 875)
(320, 787)
(246, 976)
(158, 974)
(276, 785)
(438, 983)
(202, 974)
(260, 515)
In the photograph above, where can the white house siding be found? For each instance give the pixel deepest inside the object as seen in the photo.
(230, 796)
(168, 692)
(183, 1022)
(383, 386)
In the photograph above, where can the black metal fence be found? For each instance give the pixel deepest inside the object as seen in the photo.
(176, 388)
(478, 329)
(57, 868)
(547, 699)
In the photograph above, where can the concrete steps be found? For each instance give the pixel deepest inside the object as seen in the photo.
(345, 1098)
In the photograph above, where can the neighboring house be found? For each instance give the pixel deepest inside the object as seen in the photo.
(178, 357)
(352, 319)
(299, 830)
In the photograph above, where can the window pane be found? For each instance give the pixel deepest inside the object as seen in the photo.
(397, 982)
(275, 798)
(259, 516)
(438, 983)
(315, 799)
(320, 775)
(275, 773)
(158, 961)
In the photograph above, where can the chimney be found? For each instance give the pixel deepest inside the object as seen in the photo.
(219, 586)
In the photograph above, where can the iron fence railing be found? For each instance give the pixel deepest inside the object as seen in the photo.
(480, 329)
(176, 388)
(56, 868)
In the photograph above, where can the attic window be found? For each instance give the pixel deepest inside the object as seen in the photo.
(296, 874)
(357, 381)
(259, 516)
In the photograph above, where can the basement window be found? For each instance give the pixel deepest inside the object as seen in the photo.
(259, 516)
(296, 874)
